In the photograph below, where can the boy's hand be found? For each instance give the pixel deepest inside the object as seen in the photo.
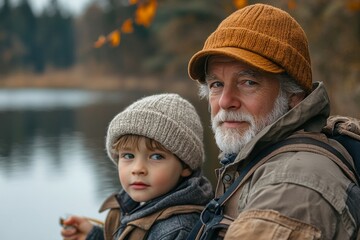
(75, 228)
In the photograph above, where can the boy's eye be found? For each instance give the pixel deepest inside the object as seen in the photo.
(157, 156)
(127, 156)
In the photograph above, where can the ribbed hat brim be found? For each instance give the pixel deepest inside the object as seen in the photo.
(197, 70)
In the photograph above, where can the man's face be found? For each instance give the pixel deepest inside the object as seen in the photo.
(243, 101)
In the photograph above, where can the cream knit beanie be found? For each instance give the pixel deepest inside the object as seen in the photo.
(167, 118)
(263, 36)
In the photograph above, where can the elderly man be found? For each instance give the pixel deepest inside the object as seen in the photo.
(255, 71)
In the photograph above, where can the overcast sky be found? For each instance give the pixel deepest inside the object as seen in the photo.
(73, 6)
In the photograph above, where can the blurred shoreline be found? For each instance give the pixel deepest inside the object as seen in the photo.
(80, 77)
(344, 98)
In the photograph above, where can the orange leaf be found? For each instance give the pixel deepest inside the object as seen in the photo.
(127, 26)
(100, 42)
(353, 5)
(145, 13)
(292, 4)
(114, 38)
(240, 3)
(133, 2)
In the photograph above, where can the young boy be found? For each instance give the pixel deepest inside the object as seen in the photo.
(157, 146)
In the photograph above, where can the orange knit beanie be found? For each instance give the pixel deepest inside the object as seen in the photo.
(264, 37)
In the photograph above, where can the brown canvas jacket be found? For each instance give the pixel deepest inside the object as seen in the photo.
(138, 229)
(294, 195)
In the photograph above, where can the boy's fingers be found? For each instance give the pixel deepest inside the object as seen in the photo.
(71, 238)
(68, 231)
(72, 220)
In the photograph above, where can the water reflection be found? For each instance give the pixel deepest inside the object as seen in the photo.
(52, 157)
(39, 99)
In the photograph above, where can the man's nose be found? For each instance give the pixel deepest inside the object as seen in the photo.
(229, 99)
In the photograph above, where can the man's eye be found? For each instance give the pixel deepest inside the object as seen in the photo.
(156, 156)
(127, 156)
(215, 85)
(250, 82)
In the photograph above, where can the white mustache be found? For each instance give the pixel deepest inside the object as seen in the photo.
(223, 116)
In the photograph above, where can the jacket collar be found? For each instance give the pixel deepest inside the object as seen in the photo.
(121, 201)
(110, 202)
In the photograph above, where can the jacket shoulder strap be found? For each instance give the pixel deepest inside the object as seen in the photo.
(341, 125)
(213, 212)
(112, 220)
(309, 144)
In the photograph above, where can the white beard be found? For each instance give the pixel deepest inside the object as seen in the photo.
(232, 140)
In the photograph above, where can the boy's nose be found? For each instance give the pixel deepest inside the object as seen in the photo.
(139, 168)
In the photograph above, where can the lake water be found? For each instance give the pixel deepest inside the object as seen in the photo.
(52, 157)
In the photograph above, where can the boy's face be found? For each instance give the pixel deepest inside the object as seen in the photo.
(146, 174)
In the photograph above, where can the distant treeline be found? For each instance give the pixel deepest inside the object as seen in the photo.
(29, 42)
(34, 42)
(56, 39)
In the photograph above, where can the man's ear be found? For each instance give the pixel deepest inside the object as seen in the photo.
(186, 172)
(295, 99)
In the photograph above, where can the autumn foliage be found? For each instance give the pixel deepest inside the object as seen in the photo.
(146, 10)
(144, 15)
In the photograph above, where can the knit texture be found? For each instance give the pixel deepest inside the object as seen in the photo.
(263, 36)
(167, 118)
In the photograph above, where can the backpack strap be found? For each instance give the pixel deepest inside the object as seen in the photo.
(353, 148)
(213, 212)
(346, 130)
(309, 144)
(342, 125)
(139, 228)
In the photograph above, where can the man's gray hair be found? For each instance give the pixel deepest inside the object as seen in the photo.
(289, 85)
